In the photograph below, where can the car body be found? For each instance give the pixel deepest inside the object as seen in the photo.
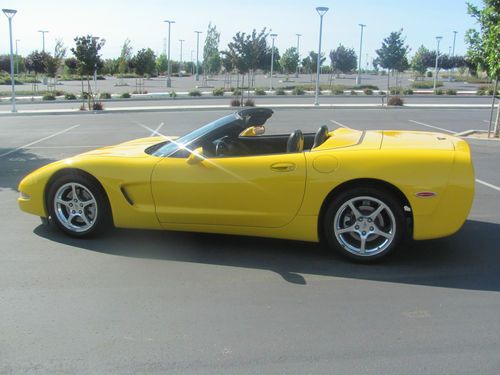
(228, 178)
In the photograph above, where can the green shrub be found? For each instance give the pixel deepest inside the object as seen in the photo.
(395, 90)
(69, 96)
(368, 91)
(236, 92)
(260, 91)
(194, 93)
(280, 91)
(429, 74)
(381, 92)
(408, 91)
(298, 91)
(84, 95)
(105, 95)
(426, 84)
(353, 92)
(485, 90)
(219, 91)
(438, 92)
(49, 97)
(125, 95)
(451, 92)
(249, 103)
(395, 100)
(338, 92)
(235, 103)
(172, 94)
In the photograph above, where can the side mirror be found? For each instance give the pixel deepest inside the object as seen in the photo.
(196, 156)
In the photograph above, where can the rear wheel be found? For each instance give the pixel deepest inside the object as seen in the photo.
(78, 205)
(364, 224)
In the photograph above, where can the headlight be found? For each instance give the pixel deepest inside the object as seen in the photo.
(24, 195)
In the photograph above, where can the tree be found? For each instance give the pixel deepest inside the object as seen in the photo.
(125, 57)
(418, 63)
(289, 61)
(35, 62)
(86, 51)
(52, 65)
(211, 56)
(343, 60)
(309, 63)
(392, 54)
(249, 52)
(72, 64)
(162, 63)
(144, 62)
(484, 46)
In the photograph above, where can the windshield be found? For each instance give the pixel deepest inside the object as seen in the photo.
(170, 148)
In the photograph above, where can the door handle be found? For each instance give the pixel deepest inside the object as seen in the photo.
(283, 167)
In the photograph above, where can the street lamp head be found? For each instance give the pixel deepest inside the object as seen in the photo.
(9, 12)
(439, 37)
(168, 21)
(298, 34)
(362, 25)
(199, 32)
(43, 31)
(321, 10)
(273, 35)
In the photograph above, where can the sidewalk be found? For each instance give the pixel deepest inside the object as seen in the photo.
(164, 108)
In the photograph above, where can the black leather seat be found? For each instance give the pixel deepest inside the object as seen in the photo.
(321, 136)
(295, 142)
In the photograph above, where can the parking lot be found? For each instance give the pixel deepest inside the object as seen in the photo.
(155, 302)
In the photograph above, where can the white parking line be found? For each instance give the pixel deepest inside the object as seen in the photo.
(339, 124)
(488, 184)
(432, 126)
(155, 132)
(38, 140)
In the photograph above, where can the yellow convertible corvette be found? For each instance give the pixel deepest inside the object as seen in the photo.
(361, 192)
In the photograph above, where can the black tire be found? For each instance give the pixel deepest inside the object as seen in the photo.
(382, 233)
(76, 227)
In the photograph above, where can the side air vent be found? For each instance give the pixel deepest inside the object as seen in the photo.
(126, 196)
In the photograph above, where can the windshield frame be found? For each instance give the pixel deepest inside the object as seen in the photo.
(183, 143)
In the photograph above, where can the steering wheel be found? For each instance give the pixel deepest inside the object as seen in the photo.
(222, 147)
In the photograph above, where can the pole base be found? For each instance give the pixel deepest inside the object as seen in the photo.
(358, 80)
(169, 82)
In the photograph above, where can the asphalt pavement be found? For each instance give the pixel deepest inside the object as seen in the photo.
(163, 302)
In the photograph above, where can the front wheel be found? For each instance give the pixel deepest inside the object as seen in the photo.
(78, 205)
(364, 224)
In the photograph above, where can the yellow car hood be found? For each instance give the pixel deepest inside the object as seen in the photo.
(131, 149)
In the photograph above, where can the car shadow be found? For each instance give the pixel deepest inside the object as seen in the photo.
(17, 164)
(467, 260)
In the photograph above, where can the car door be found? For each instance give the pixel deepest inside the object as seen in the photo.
(259, 191)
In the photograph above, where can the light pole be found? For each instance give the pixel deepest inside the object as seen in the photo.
(321, 11)
(43, 38)
(358, 77)
(197, 51)
(453, 52)
(17, 58)
(192, 62)
(169, 80)
(298, 43)
(10, 13)
(438, 39)
(180, 62)
(273, 36)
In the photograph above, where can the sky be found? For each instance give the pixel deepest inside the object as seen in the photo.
(142, 22)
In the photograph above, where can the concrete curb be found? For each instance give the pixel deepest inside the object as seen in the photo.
(215, 107)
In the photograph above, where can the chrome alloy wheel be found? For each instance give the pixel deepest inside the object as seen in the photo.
(364, 226)
(75, 207)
